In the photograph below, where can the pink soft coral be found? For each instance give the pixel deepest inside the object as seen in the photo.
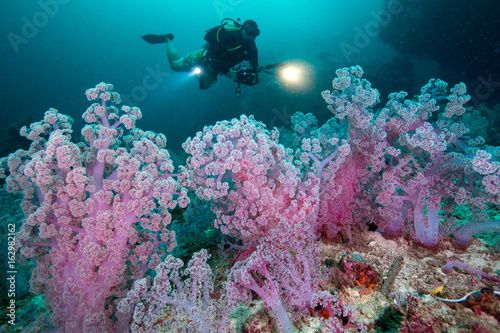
(84, 203)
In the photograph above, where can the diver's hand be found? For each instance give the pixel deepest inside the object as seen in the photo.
(259, 77)
(231, 74)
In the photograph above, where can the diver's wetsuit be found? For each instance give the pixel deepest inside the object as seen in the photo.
(227, 49)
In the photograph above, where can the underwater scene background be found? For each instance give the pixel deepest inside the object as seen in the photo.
(302, 205)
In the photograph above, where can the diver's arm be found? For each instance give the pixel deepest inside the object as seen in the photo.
(231, 74)
(254, 58)
(254, 63)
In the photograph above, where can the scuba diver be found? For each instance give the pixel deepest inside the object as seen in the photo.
(227, 45)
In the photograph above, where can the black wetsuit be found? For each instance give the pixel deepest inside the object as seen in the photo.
(227, 49)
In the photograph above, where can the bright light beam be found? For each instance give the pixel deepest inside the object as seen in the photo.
(195, 71)
(297, 76)
(292, 74)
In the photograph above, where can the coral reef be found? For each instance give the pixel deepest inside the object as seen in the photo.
(352, 226)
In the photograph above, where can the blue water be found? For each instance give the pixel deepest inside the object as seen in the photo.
(52, 50)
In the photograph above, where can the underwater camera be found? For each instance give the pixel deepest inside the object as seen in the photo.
(247, 76)
(293, 74)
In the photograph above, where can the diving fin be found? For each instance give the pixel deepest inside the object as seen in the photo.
(157, 39)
